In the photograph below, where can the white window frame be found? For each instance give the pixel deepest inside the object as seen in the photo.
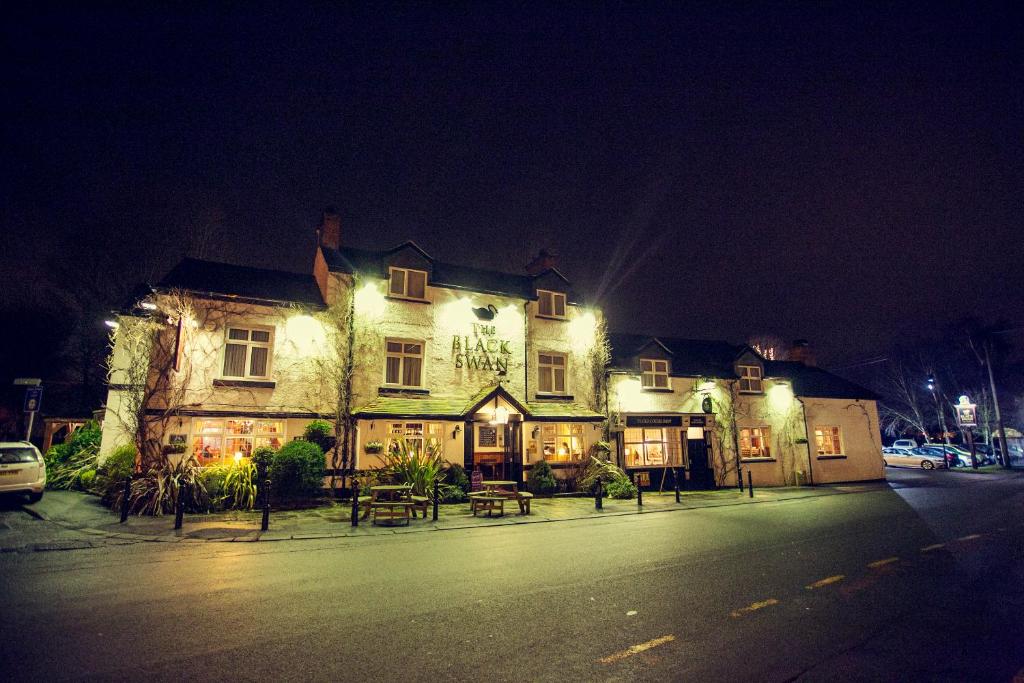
(552, 368)
(553, 298)
(571, 435)
(249, 345)
(403, 292)
(753, 376)
(416, 432)
(657, 369)
(764, 435)
(833, 434)
(216, 430)
(402, 355)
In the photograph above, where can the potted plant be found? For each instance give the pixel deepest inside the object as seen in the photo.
(373, 447)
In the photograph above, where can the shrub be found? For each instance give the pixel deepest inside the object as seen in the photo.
(297, 470)
(321, 433)
(541, 479)
(57, 456)
(66, 475)
(120, 463)
(450, 493)
(87, 479)
(212, 479)
(605, 471)
(156, 492)
(455, 475)
(409, 466)
(623, 489)
(262, 456)
(239, 491)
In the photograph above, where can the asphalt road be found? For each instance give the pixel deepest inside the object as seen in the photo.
(920, 580)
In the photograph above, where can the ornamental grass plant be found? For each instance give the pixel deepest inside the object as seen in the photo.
(417, 467)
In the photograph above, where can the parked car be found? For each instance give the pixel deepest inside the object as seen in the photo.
(912, 457)
(22, 469)
(956, 456)
(904, 443)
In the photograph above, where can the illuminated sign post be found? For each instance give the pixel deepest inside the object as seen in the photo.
(33, 399)
(967, 416)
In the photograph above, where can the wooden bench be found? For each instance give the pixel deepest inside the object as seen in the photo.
(524, 498)
(420, 503)
(364, 506)
(489, 503)
(391, 510)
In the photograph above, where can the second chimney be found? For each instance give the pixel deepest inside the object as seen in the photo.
(544, 260)
(329, 231)
(800, 351)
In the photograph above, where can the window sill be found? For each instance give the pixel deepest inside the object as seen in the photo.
(406, 299)
(553, 397)
(657, 390)
(245, 383)
(402, 391)
(831, 457)
(561, 319)
(751, 393)
(757, 459)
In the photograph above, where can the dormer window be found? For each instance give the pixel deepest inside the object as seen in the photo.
(550, 304)
(750, 379)
(653, 373)
(408, 284)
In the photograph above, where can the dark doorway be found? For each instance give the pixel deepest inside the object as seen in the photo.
(702, 476)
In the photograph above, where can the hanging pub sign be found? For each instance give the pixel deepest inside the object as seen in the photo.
(966, 412)
(654, 420)
(481, 351)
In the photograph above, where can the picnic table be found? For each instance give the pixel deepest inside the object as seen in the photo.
(390, 502)
(494, 495)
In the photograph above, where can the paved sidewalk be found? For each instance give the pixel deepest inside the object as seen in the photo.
(82, 512)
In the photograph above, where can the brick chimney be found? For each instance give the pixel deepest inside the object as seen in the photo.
(329, 232)
(544, 260)
(800, 350)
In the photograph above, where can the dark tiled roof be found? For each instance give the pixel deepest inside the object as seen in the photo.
(814, 382)
(223, 279)
(352, 260)
(690, 357)
(714, 358)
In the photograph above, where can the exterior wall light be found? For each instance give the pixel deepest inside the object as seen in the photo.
(306, 333)
(500, 416)
(369, 301)
(581, 330)
(456, 431)
(148, 305)
(111, 323)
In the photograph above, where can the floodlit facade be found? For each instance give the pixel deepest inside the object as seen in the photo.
(497, 370)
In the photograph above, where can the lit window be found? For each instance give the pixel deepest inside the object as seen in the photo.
(750, 379)
(551, 372)
(653, 373)
(828, 440)
(408, 284)
(404, 363)
(562, 441)
(645, 447)
(755, 442)
(247, 352)
(417, 435)
(235, 435)
(550, 304)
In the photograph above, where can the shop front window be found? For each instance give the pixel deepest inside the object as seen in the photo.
(755, 442)
(646, 447)
(562, 441)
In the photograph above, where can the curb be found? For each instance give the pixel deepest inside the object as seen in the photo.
(255, 535)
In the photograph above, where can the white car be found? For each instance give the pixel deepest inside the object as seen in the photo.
(22, 469)
(907, 457)
(904, 443)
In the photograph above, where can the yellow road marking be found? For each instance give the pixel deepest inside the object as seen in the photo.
(753, 607)
(934, 546)
(881, 563)
(825, 582)
(969, 537)
(637, 649)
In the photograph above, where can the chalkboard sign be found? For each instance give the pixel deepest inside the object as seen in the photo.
(487, 437)
(476, 479)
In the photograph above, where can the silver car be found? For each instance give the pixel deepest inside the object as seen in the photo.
(912, 457)
(22, 469)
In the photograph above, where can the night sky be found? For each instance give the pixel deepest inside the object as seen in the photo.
(849, 174)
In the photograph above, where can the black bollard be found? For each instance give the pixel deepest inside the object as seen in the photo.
(435, 500)
(676, 478)
(179, 510)
(739, 479)
(265, 524)
(598, 503)
(750, 483)
(355, 503)
(639, 497)
(126, 498)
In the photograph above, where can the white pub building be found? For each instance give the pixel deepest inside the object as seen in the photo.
(499, 370)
